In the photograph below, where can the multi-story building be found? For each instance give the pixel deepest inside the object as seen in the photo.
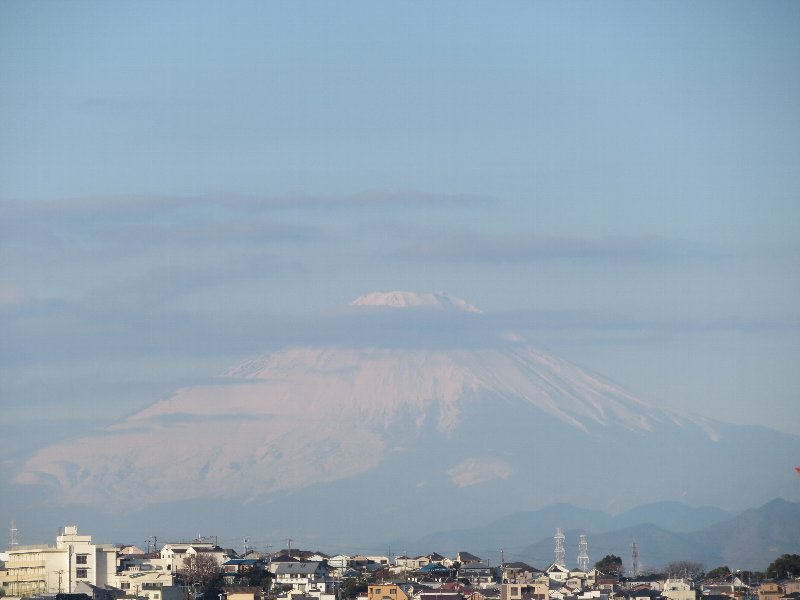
(44, 569)
(302, 576)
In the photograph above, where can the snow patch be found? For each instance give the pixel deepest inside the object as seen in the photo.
(400, 299)
(478, 470)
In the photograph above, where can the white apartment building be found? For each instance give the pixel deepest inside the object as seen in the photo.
(45, 569)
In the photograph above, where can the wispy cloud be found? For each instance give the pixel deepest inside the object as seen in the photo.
(48, 330)
(157, 206)
(522, 247)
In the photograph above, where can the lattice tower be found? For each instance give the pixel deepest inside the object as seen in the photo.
(560, 552)
(635, 560)
(583, 554)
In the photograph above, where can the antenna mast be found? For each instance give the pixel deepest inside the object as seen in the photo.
(583, 554)
(560, 552)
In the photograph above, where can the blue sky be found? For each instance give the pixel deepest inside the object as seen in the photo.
(186, 184)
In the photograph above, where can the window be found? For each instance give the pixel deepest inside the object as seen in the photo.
(82, 559)
(81, 573)
(125, 585)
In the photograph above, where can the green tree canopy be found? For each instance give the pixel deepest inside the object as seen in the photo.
(610, 564)
(718, 573)
(786, 565)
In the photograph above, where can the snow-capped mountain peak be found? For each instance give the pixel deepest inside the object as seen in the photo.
(402, 299)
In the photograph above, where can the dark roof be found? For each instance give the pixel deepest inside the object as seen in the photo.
(434, 568)
(521, 566)
(474, 566)
(465, 556)
(283, 557)
(297, 567)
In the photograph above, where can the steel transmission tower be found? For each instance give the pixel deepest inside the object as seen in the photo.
(635, 560)
(583, 554)
(560, 552)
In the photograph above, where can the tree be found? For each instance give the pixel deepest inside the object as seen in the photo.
(200, 570)
(256, 577)
(610, 564)
(786, 565)
(718, 573)
(353, 586)
(685, 568)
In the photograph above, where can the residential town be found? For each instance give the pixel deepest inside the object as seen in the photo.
(76, 568)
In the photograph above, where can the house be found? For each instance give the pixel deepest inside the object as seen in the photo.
(557, 572)
(235, 567)
(302, 576)
(98, 593)
(678, 589)
(141, 581)
(792, 585)
(240, 592)
(576, 580)
(466, 558)
(179, 554)
(652, 582)
(720, 589)
(389, 591)
(479, 574)
(519, 572)
(641, 593)
(770, 590)
(43, 569)
(526, 591)
(433, 572)
(240, 565)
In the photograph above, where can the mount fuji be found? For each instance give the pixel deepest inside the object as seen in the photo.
(377, 438)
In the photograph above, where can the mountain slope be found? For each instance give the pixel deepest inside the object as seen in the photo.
(517, 530)
(748, 541)
(414, 438)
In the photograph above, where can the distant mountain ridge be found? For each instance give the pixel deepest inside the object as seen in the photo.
(664, 532)
(517, 530)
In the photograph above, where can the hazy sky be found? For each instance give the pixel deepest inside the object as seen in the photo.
(186, 184)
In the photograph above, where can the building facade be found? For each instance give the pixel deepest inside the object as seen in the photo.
(45, 569)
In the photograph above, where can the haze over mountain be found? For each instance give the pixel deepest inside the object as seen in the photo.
(407, 435)
(747, 541)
